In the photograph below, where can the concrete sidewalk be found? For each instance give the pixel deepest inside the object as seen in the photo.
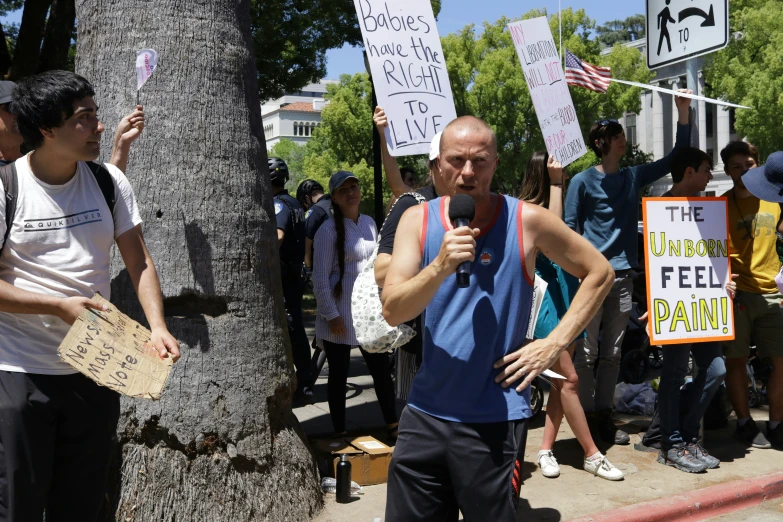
(575, 493)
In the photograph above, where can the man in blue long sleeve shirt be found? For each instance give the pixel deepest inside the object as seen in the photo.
(603, 205)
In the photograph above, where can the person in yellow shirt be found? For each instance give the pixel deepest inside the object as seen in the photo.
(753, 224)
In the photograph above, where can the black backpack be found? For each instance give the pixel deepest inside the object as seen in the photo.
(8, 177)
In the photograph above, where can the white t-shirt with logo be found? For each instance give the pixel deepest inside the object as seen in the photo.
(59, 245)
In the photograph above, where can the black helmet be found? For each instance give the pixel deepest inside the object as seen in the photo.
(306, 188)
(278, 170)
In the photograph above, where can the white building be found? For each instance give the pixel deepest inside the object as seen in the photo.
(295, 115)
(654, 128)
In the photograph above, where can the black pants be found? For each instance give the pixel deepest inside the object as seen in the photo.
(300, 346)
(339, 357)
(56, 437)
(441, 467)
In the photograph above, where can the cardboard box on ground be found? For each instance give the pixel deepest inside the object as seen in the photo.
(368, 456)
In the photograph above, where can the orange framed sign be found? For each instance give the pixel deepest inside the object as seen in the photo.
(687, 266)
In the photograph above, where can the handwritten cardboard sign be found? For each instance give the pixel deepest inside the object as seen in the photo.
(548, 89)
(408, 70)
(115, 351)
(687, 267)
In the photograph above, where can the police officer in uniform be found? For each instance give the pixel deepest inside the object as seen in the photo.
(291, 238)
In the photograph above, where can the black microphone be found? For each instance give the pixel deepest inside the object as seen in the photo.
(462, 210)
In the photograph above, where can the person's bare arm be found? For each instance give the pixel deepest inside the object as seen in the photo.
(382, 263)
(557, 177)
(17, 301)
(408, 289)
(546, 233)
(390, 166)
(145, 280)
(128, 130)
(280, 236)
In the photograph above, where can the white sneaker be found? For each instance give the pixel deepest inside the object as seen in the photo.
(603, 468)
(548, 464)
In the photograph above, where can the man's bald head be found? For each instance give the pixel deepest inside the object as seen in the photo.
(468, 125)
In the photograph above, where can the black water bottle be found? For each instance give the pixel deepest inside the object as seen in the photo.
(343, 476)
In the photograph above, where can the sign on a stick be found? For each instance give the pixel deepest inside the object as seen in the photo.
(546, 81)
(408, 71)
(115, 351)
(682, 29)
(687, 267)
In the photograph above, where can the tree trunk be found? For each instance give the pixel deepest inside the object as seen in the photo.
(5, 56)
(28, 43)
(57, 39)
(222, 443)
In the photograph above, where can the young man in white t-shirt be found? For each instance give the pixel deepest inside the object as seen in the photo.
(57, 426)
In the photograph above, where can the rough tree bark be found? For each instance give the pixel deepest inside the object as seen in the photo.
(5, 56)
(28, 43)
(222, 443)
(57, 39)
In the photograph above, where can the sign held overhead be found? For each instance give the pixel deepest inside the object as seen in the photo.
(682, 29)
(546, 81)
(408, 68)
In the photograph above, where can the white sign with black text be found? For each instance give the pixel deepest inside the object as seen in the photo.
(682, 29)
(548, 89)
(408, 71)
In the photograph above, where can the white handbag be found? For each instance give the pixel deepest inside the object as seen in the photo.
(372, 331)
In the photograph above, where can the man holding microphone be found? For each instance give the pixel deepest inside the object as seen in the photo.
(462, 436)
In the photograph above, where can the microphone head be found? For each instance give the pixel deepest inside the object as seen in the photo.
(462, 206)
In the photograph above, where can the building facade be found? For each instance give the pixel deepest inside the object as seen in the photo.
(295, 115)
(653, 129)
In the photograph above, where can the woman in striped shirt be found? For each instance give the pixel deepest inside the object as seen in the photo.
(342, 247)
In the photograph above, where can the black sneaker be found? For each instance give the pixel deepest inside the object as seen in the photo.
(698, 451)
(775, 436)
(680, 457)
(750, 435)
(608, 431)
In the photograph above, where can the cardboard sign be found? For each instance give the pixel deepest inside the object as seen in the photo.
(687, 266)
(548, 89)
(408, 71)
(115, 351)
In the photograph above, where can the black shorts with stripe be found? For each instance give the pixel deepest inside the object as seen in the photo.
(440, 468)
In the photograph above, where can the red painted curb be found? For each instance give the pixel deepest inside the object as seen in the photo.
(699, 504)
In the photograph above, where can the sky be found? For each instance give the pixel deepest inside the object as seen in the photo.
(456, 14)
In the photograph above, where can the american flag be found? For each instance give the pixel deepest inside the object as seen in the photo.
(585, 74)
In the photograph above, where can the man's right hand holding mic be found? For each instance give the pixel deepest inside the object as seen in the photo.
(459, 246)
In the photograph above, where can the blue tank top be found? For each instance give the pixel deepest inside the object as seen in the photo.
(467, 329)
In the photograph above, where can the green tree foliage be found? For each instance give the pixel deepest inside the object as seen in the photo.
(620, 31)
(293, 155)
(750, 71)
(292, 36)
(488, 82)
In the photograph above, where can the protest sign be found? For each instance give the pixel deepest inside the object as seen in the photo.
(408, 71)
(115, 351)
(687, 266)
(548, 89)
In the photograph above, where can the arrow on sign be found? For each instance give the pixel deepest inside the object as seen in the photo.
(709, 18)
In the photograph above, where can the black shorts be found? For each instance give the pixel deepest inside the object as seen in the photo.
(440, 468)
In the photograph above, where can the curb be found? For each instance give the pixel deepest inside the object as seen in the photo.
(700, 504)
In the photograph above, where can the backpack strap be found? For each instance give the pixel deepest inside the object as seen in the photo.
(11, 189)
(105, 183)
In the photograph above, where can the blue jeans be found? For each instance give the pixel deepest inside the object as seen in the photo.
(683, 426)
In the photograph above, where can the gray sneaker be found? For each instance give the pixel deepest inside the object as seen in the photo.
(751, 435)
(701, 455)
(680, 457)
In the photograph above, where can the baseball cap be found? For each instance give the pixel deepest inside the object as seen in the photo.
(766, 182)
(435, 146)
(7, 92)
(338, 178)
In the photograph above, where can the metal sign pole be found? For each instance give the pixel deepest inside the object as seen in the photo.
(692, 82)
